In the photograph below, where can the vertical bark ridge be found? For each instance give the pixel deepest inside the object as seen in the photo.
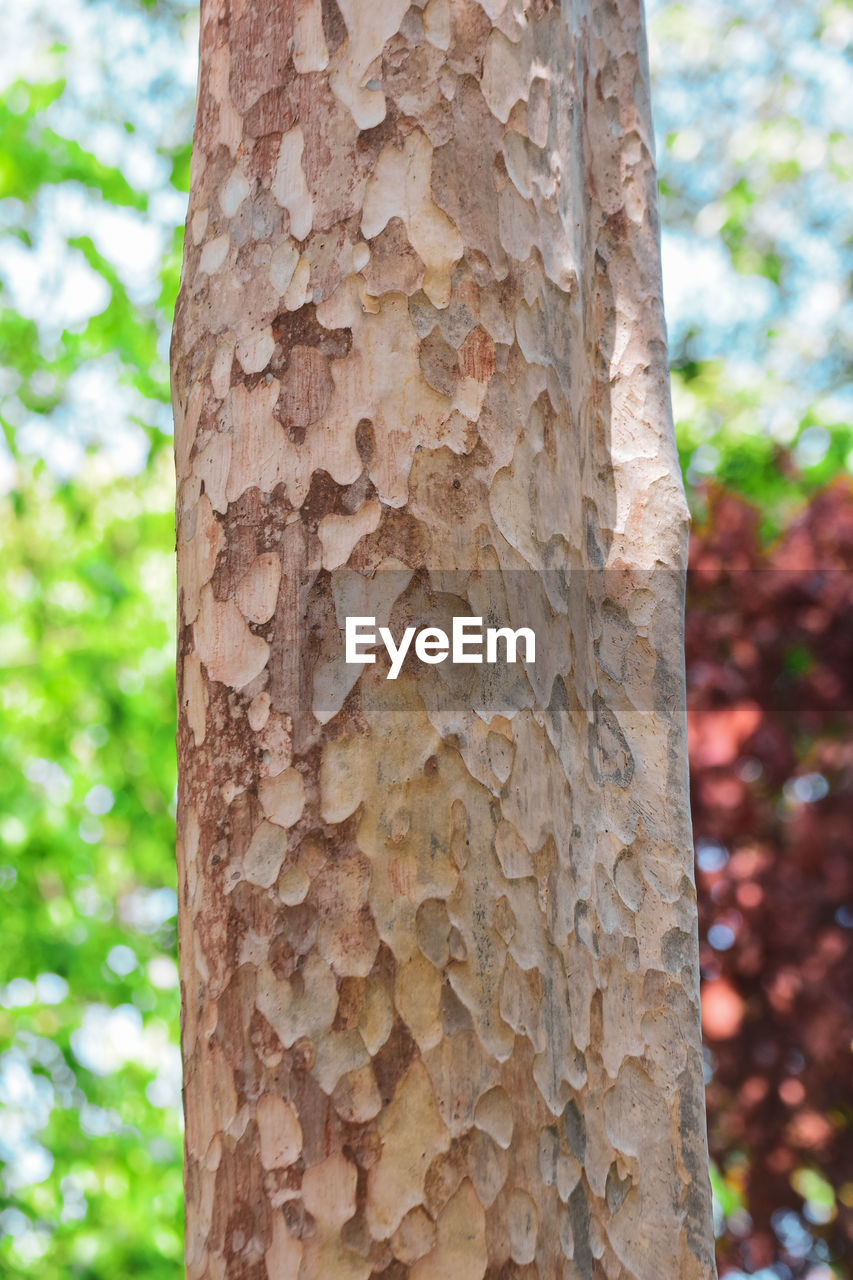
(438, 961)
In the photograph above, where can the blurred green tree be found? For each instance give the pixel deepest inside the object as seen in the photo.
(89, 1065)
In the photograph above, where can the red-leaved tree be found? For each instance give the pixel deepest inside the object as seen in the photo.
(770, 691)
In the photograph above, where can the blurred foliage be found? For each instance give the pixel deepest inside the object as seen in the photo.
(717, 436)
(89, 1081)
(90, 1135)
(770, 694)
(755, 167)
(755, 161)
(33, 153)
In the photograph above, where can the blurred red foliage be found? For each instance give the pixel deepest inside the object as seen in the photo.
(770, 695)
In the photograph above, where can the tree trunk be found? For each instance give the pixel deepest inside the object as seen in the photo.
(438, 933)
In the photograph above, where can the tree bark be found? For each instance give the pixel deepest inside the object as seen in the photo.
(437, 935)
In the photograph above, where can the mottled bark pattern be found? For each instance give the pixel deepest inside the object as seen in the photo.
(439, 974)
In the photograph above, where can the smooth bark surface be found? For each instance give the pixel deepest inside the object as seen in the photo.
(438, 941)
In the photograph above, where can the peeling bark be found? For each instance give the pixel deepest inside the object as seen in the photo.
(438, 956)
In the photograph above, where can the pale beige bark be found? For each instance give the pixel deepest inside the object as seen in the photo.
(438, 964)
